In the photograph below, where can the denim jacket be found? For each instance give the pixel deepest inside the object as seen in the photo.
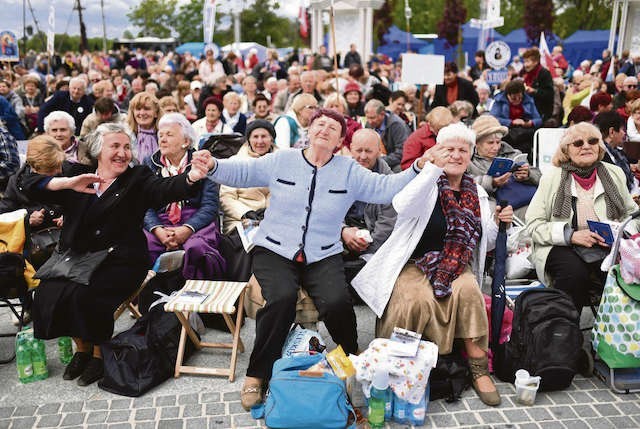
(206, 200)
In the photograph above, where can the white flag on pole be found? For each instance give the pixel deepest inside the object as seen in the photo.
(209, 20)
(51, 28)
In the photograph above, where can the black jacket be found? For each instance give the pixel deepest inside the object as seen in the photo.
(466, 91)
(62, 101)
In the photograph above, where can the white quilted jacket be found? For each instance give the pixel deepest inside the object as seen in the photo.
(414, 205)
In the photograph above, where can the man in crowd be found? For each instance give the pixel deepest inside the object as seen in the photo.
(352, 57)
(391, 129)
(377, 219)
(293, 86)
(611, 126)
(9, 158)
(307, 86)
(75, 102)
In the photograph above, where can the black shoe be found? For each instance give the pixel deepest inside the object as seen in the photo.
(92, 373)
(76, 366)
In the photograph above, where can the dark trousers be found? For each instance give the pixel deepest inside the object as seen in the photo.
(574, 276)
(280, 279)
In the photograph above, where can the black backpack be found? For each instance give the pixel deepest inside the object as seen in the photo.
(12, 266)
(546, 339)
(144, 356)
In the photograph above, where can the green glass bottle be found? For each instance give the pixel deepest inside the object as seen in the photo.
(23, 361)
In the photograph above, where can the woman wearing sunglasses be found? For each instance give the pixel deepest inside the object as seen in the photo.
(566, 253)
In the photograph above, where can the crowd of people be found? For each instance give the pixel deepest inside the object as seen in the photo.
(114, 163)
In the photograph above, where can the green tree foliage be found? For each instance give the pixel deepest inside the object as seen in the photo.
(154, 17)
(582, 15)
(64, 42)
(188, 22)
(512, 12)
(260, 20)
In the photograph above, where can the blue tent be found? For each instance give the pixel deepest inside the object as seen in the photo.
(518, 39)
(395, 43)
(470, 38)
(195, 48)
(585, 44)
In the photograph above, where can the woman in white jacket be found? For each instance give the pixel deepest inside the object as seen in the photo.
(425, 277)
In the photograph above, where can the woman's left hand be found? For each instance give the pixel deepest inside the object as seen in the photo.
(504, 214)
(180, 233)
(522, 173)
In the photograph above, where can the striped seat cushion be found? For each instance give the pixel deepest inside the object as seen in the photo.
(221, 297)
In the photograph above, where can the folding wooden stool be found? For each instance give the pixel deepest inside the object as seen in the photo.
(221, 299)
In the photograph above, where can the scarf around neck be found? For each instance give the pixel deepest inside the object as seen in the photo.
(174, 212)
(612, 198)
(147, 143)
(463, 232)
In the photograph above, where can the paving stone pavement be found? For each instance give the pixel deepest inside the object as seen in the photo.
(204, 402)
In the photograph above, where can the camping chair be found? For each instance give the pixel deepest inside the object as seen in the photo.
(166, 262)
(13, 290)
(221, 297)
(545, 143)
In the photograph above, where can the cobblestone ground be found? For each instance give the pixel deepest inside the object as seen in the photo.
(202, 402)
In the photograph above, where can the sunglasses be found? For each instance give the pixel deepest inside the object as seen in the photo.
(630, 86)
(592, 141)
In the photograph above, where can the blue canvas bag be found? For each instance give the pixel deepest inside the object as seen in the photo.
(300, 399)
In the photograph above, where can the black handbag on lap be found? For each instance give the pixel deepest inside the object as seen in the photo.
(72, 265)
(43, 243)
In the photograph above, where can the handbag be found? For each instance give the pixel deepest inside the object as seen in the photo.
(299, 399)
(518, 194)
(72, 265)
(43, 243)
(615, 331)
(143, 356)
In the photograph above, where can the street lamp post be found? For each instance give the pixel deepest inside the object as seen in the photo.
(407, 17)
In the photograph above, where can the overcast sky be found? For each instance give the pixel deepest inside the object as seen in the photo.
(67, 19)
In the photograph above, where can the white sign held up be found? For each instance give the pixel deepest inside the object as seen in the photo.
(422, 69)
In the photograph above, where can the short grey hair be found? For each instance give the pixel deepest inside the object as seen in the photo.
(78, 79)
(178, 118)
(457, 131)
(374, 104)
(95, 140)
(59, 115)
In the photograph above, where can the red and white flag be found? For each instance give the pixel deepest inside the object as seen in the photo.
(304, 22)
(545, 56)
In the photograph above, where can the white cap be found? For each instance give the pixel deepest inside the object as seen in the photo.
(196, 84)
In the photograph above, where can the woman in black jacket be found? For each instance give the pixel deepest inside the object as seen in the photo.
(103, 215)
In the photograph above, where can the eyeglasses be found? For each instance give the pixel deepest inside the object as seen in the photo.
(592, 141)
(310, 107)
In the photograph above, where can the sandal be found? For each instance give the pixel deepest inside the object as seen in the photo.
(479, 368)
(250, 395)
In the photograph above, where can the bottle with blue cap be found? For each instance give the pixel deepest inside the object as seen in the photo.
(380, 402)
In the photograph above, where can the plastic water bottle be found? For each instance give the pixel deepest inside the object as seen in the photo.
(416, 413)
(405, 412)
(65, 350)
(380, 399)
(39, 360)
(23, 360)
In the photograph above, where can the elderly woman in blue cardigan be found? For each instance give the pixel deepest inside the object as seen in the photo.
(298, 243)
